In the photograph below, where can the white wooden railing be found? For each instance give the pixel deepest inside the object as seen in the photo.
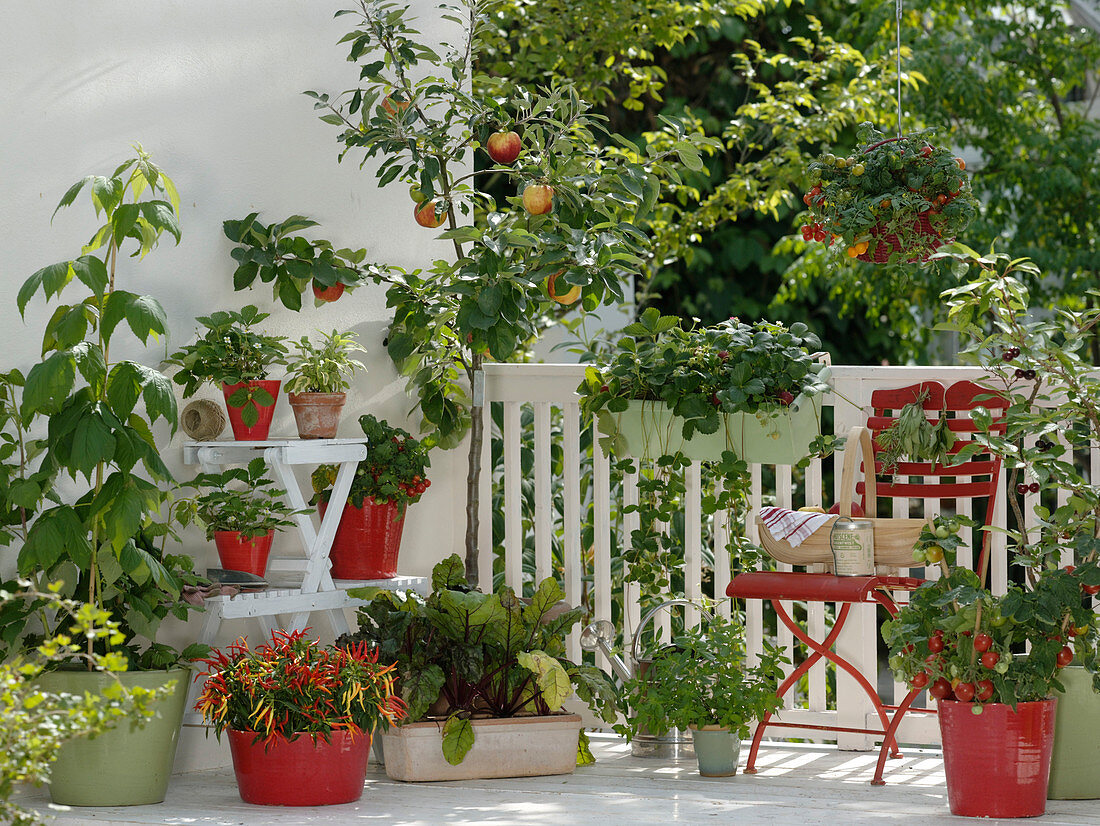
(549, 390)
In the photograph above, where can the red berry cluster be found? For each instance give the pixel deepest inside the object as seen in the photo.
(416, 487)
(816, 232)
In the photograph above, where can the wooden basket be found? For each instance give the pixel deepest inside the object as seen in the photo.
(894, 538)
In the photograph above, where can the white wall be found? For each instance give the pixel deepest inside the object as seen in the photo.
(213, 91)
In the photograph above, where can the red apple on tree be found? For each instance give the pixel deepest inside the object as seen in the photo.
(503, 147)
(324, 293)
(538, 199)
(569, 297)
(427, 216)
(391, 105)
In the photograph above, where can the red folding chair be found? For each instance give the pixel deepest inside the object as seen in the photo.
(976, 478)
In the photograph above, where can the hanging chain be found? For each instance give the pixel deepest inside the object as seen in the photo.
(899, 3)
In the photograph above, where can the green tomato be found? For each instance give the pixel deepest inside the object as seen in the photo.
(1001, 667)
(942, 532)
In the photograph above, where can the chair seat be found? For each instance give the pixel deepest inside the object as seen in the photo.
(815, 587)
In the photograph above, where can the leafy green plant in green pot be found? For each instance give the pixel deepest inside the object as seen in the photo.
(893, 199)
(1041, 363)
(240, 510)
(753, 389)
(232, 353)
(97, 532)
(468, 665)
(393, 476)
(702, 682)
(317, 376)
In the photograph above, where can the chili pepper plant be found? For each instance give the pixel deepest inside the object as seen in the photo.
(294, 686)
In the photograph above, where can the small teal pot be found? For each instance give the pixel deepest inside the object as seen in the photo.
(717, 750)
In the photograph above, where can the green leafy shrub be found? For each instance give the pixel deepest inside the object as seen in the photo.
(324, 368)
(253, 508)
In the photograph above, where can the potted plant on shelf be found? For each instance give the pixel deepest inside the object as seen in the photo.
(299, 716)
(391, 477)
(893, 199)
(97, 531)
(317, 377)
(484, 677)
(237, 356)
(702, 683)
(1041, 364)
(993, 663)
(240, 520)
(753, 389)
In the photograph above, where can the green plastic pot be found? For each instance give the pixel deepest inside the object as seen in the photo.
(1075, 765)
(717, 750)
(780, 437)
(128, 765)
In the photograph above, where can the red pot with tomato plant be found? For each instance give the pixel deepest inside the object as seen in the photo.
(997, 761)
(392, 476)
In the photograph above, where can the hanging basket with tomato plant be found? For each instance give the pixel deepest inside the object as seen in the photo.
(894, 199)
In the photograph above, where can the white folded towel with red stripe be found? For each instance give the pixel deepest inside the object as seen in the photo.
(793, 527)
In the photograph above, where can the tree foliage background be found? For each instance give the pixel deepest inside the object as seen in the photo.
(780, 81)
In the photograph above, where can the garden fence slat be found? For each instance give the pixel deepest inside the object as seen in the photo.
(631, 601)
(693, 540)
(485, 501)
(573, 563)
(601, 572)
(543, 494)
(513, 499)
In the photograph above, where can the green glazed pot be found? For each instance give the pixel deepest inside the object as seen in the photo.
(1075, 765)
(128, 765)
(781, 437)
(717, 750)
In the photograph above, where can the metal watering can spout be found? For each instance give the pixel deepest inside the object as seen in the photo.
(651, 613)
(599, 635)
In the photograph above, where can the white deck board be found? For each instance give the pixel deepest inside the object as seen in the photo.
(797, 784)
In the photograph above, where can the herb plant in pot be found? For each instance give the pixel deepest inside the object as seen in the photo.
(317, 377)
(299, 716)
(237, 356)
(484, 677)
(241, 520)
(993, 663)
(97, 531)
(753, 389)
(392, 477)
(702, 683)
(893, 199)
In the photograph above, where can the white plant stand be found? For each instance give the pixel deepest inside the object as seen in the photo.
(318, 593)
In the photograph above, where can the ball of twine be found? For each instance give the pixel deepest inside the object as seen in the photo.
(203, 420)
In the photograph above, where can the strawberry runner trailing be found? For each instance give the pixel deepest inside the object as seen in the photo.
(293, 686)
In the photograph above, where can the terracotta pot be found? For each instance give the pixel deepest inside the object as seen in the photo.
(998, 762)
(258, 432)
(317, 414)
(303, 772)
(367, 541)
(237, 554)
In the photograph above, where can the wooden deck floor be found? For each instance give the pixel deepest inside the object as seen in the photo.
(797, 784)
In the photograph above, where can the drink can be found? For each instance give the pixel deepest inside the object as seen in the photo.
(852, 542)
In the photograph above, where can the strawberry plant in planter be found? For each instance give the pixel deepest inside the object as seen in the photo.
(393, 476)
(231, 352)
(894, 199)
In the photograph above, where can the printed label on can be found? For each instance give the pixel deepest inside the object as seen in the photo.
(853, 547)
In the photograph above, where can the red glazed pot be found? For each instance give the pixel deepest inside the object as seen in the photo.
(367, 541)
(998, 762)
(237, 554)
(304, 772)
(258, 432)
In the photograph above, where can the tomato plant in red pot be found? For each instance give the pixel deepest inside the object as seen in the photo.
(299, 716)
(231, 352)
(993, 663)
(392, 477)
(240, 509)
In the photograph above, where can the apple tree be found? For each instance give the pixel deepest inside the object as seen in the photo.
(570, 232)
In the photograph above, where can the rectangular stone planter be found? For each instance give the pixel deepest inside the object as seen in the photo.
(511, 747)
(779, 437)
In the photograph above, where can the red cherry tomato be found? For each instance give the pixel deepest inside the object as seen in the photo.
(1065, 656)
(965, 692)
(940, 688)
(920, 680)
(990, 659)
(935, 645)
(982, 642)
(984, 690)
